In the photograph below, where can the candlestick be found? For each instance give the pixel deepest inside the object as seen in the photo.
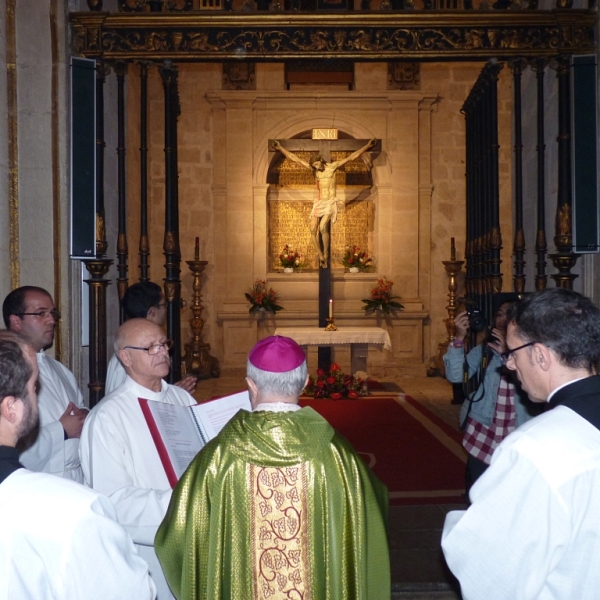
(330, 308)
(452, 249)
(197, 249)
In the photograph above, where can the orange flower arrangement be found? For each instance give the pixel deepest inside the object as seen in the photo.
(261, 297)
(382, 298)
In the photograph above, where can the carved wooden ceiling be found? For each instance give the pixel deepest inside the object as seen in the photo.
(365, 36)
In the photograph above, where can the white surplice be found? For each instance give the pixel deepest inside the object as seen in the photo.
(115, 375)
(533, 530)
(59, 540)
(119, 459)
(51, 453)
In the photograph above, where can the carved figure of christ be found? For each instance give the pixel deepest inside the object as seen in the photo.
(324, 209)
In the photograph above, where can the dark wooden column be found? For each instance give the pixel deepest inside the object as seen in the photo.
(144, 246)
(171, 248)
(484, 239)
(541, 246)
(564, 259)
(519, 239)
(122, 249)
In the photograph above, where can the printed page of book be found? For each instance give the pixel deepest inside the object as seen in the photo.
(175, 435)
(212, 416)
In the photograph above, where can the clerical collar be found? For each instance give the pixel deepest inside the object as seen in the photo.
(277, 407)
(9, 461)
(581, 396)
(560, 387)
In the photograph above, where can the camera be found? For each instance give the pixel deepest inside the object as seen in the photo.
(476, 319)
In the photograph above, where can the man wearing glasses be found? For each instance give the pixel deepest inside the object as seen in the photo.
(118, 455)
(142, 300)
(533, 529)
(54, 447)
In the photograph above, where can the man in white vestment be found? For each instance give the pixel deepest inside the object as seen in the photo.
(118, 455)
(533, 530)
(58, 539)
(54, 448)
(142, 300)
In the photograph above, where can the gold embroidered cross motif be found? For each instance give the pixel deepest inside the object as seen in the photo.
(279, 533)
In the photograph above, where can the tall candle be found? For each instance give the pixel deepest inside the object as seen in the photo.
(330, 308)
(452, 249)
(197, 249)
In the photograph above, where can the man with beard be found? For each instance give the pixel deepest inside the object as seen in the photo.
(58, 539)
(533, 529)
(30, 312)
(118, 455)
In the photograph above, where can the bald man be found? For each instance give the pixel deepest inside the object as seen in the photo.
(118, 455)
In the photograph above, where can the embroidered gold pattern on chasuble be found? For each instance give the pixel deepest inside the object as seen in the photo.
(279, 533)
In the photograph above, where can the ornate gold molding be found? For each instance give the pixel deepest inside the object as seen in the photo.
(474, 35)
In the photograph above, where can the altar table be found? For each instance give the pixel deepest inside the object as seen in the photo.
(358, 337)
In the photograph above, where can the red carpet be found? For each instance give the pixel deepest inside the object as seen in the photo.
(416, 454)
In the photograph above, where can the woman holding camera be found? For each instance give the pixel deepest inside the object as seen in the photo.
(497, 406)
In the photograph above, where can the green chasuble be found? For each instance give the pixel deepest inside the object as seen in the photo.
(277, 506)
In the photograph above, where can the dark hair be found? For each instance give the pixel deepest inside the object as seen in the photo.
(14, 303)
(15, 370)
(314, 158)
(140, 298)
(563, 320)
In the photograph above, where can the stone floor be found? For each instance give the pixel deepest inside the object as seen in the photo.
(418, 569)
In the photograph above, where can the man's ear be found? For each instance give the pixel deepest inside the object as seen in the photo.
(252, 390)
(15, 323)
(8, 409)
(543, 356)
(125, 357)
(151, 314)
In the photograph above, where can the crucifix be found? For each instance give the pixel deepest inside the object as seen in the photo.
(324, 211)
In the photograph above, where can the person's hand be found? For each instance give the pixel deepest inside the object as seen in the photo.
(188, 383)
(72, 420)
(372, 142)
(500, 344)
(276, 145)
(461, 325)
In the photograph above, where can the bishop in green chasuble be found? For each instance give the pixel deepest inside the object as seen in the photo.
(277, 506)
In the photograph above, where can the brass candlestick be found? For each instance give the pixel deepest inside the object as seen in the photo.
(436, 364)
(331, 325)
(452, 267)
(197, 359)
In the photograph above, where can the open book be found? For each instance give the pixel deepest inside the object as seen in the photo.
(180, 432)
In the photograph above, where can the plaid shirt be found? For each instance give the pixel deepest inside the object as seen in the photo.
(480, 441)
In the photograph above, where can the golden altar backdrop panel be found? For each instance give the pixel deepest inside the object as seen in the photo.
(289, 223)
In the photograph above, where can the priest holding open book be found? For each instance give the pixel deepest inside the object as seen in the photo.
(118, 454)
(278, 505)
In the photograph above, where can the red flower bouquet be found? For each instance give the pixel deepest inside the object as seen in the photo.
(335, 385)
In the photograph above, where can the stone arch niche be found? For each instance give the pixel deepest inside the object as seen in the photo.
(399, 235)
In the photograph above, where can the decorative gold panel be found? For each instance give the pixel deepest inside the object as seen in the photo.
(472, 35)
(289, 223)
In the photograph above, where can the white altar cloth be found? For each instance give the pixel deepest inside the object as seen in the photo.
(317, 336)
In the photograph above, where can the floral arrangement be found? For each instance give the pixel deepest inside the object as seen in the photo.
(335, 385)
(259, 297)
(290, 258)
(382, 298)
(355, 257)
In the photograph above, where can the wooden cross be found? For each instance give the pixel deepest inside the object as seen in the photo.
(324, 146)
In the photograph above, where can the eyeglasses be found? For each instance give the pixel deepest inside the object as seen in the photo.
(155, 348)
(42, 314)
(161, 305)
(506, 355)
